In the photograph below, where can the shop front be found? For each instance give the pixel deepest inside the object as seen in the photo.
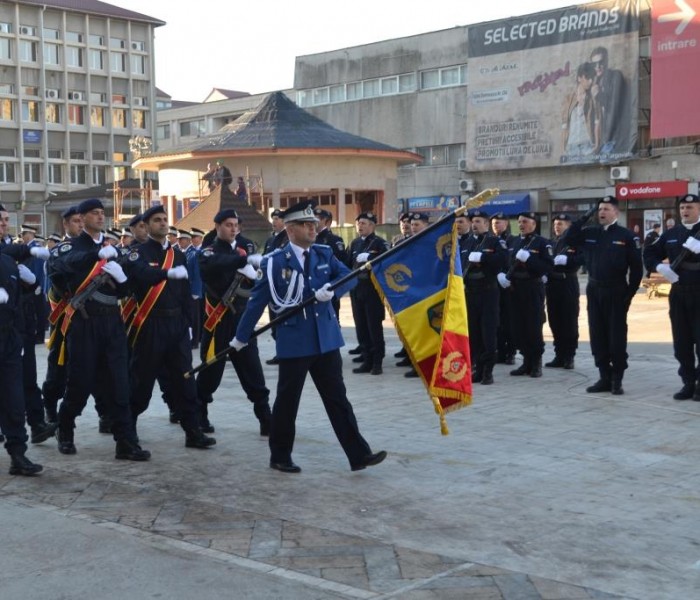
(651, 203)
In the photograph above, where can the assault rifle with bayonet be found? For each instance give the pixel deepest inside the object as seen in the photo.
(78, 300)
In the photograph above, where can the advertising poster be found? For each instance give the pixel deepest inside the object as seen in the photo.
(554, 88)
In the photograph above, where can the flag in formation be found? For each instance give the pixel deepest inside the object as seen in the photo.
(422, 285)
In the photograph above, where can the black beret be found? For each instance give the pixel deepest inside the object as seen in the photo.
(226, 213)
(303, 211)
(608, 200)
(562, 217)
(528, 215)
(688, 198)
(90, 204)
(276, 213)
(322, 213)
(154, 210)
(419, 216)
(478, 213)
(367, 215)
(500, 216)
(69, 212)
(136, 220)
(406, 216)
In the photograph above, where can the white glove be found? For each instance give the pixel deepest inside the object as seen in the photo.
(248, 271)
(362, 257)
(177, 272)
(115, 271)
(667, 272)
(254, 260)
(237, 344)
(545, 279)
(503, 281)
(189, 330)
(40, 252)
(108, 252)
(693, 245)
(522, 255)
(4, 296)
(324, 294)
(475, 257)
(560, 260)
(26, 275)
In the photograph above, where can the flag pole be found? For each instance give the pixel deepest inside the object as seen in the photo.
(473, 202)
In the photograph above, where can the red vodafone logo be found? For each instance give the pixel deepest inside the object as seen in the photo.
(651, 189)
(623, 192)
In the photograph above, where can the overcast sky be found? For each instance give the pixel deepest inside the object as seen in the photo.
(219, 43)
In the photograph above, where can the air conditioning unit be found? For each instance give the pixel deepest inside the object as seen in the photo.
(462, 164)
(52, 94)
(619, 173)
(75, 95)
(466, 185)
(25, 31)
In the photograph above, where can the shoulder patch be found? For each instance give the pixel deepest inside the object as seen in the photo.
(259, 274)
(638, 244)
(133, 255)
(66, 247)
(207, 252)
(503, 244)
(54, 252)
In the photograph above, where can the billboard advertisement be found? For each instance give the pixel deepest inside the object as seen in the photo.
(554, 88)
(675, 75)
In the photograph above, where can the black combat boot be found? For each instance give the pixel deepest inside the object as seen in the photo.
(360, 359)
(487, 376)
(262, 412)
(602, 385)
(686, 392)
(43, 431)
(404, 362)
(477, 373)
(195, 438)
(365, 367)
(523, 369)
(205, 424)
(568, 363)
(130, 450)
(536, 368)
(65, 441)
(696, 395)
(105, 425)
(21, 465)
(616, 385)
(556, 363)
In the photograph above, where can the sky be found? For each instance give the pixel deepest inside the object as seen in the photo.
(223, 44)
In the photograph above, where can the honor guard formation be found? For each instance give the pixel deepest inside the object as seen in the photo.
(126, 308)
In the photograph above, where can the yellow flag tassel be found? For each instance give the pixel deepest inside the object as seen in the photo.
(62, 354)
(210, 350)
(52, 338)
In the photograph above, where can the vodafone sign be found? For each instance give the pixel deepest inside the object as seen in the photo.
(651, 189)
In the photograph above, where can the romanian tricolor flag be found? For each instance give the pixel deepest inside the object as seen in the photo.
(421, 283)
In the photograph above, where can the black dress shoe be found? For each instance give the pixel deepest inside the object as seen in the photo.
(370, 461)
(130, 450)
(521, 370)
(412, 373)
(273, 361)
(207, 427)
(285, 467)
(556, 363)
(376, 371)
(363, 368)
(686, 392)
(568, 364)
(601, 385)
(358, 359)
(21, 465)
(405, 362)
(43, 431)
(197, 439)
(356, 350)
(401, 353)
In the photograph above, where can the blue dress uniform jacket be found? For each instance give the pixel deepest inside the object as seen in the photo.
(316, 329)
(193, 274)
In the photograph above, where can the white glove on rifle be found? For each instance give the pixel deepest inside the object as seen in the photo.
(26, 275)
(362, 257)
(324, 294)
(693, 245)
(115, 271)
(545, 279)
(178, 272)
(503, 281)
(4, 296)
(475, 257)
(254, 260)
(522, 255)
(667, 272)
(40, 252)
(560, 260)
(108, 252)
(237, 344)
(248, 271)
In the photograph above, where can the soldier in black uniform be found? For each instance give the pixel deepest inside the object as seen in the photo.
(614, 263)
(243, 242)
(279, 235)
(530, 259)
(12, 399)
(483, 256)
(221, 264)
(326, 236)
(405, 225)
(681, 246)
(500, 226)
(95, 338)
(367, 306)
(159, 331)
(563, 292)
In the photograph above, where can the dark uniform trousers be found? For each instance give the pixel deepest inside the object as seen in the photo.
(684, 310)
(527, 317)
(608, 304)
(55, 380)
(12, 397)
(163, 350)
(326, 373)
(97, 362)
(368, 314)
(504, 333)
(482, 312)
(246, 362)
(33, 402)
(563, 307)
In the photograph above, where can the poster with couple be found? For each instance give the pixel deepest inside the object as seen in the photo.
(556, 88)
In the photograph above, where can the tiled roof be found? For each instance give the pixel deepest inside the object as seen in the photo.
(95, 7)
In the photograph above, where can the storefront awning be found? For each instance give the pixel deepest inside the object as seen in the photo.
(510, 204)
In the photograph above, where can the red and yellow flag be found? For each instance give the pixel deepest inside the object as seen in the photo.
(422, 285)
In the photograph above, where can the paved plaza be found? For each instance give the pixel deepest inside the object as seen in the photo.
(540, 491)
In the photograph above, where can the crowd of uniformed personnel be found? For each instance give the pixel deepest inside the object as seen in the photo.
(126, 309)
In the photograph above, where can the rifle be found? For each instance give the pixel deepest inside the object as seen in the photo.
(78, 300)
(473, 202)
(234, 290)
(683, 254)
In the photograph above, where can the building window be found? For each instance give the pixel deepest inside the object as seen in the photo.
(119, 118)
(320, 96)
(74, 37)
(336, 93)
(118, 99)
(407, 83)
(99, 175)
(97, 116)
(77, 155)
(117, 62)
(55, 173)
(32, 153)
(138, 65)
(76, 114)
(77, 174)
(117, 43)
(32, 173)
(434, 156)
(99, 155)
(370, 88)
(97, 60)
(74, 57)
(447, 77)
(7, 172)
(163, 132)
(353, 91)
(51, 54)
(138, 119)
(5, 49)
(98, 98)
(30, 111)
(55, 154)
(6, 112)
(96, 40)
(389, 86)
(31, 90)
(429, 79)
(191, 128)
(51, 34)
(27, 51)
(53, 113)
(5, 27)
